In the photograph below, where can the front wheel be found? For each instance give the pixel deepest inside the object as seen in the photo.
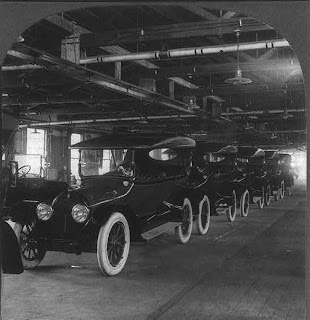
(183, 232)
(203, 219)
(113, 244)
(32, 250)
(245, 203)
(232, 209)
(282, 188)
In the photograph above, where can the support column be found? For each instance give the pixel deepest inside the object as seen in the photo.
(171, 89)
(70, 48)
(1, 116)
(118, 70)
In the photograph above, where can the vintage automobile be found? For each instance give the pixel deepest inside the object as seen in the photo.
(23, 187)
(252, 161)
(274, 174)
(132, 188)
(215, 167)
(287, 172)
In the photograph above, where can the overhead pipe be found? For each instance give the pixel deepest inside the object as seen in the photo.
(249, 113)
(187, 52)
(87, 121)
(21, 67)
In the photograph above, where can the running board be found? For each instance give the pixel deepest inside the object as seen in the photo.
(148, 235)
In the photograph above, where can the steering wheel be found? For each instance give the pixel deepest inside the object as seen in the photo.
(124, 170)
(22, 171)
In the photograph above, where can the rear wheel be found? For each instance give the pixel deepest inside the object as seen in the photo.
(113, 244)
(276, 195)
(289, 191)
(245, 203)
(32, 250)
(261, 200)
(203, 219)
(183, 232)
(267, 196)
(232, 210)
(282, 189)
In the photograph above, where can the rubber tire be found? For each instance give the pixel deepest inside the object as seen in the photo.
(267, 196)
(282, 190)
(261, 200)
(245, 204)
(204, 204)
(180, 235)
(231, 212)
(38, 252)
(102, 242)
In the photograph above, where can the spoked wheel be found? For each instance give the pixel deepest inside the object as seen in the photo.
(245, 203)
(32, 250)
(183, 232)
(282, 189)
(261, 200)
(267, 196)
(232, 210)
(203, 219)
(113, 244)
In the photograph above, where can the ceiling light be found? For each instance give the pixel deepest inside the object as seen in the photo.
(238, 79)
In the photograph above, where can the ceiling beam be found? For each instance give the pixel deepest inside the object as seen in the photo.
(74, 71)
(200, 12)
(115, 49)
(228, 15)
(173, 31)
(63, 23)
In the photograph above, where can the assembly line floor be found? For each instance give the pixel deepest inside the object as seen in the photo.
(253, 268)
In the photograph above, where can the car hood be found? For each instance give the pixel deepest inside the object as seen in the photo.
(103, 188)
(38, 189)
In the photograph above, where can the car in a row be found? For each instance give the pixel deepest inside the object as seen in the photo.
(134, 188)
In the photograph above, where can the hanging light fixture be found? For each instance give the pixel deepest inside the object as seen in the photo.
(238, 79)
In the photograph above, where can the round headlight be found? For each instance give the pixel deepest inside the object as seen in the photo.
(44, 211)
(79, 213)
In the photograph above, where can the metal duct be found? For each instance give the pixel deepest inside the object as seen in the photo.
(187, 52)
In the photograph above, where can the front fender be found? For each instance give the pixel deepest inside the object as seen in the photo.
(24, 212)
(102, 213)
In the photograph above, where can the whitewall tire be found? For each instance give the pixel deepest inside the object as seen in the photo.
(203, 219)
(113, 244)
(232, 210)
(245, 203)
(183, 232)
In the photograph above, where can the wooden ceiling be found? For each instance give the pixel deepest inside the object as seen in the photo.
(57, 74)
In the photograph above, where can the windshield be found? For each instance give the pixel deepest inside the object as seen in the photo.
(99, 162)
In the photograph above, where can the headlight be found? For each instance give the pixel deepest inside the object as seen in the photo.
(44, 211)
(79, 213)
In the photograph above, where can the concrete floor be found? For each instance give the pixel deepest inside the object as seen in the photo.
(253, 268)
